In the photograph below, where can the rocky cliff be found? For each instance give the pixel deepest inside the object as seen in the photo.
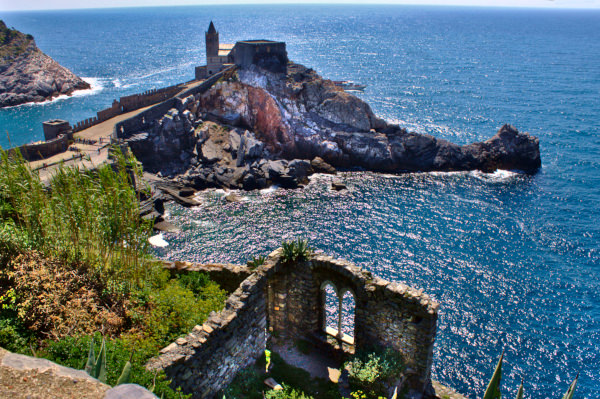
(255, 127)
(29, 75)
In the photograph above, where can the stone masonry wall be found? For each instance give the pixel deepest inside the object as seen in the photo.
(208, 358)
(44, 149)
(387, 314)
(286, 300)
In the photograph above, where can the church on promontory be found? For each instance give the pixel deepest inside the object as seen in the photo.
(268, 54)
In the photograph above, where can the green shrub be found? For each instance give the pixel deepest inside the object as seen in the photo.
(13, 336)
(286, 393)
(370, 371)
(194, 281)
(295, 251)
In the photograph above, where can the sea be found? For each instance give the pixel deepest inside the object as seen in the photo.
(512, 258)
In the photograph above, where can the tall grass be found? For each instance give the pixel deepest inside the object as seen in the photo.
(83, 216)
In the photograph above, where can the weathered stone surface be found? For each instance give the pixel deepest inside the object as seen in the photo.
(320, 166)
(30, 75)
(29, 377)
(129, 391)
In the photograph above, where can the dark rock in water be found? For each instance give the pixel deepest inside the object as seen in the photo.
(320, 166)
(187, 192)
(28, 75)
(507, 149)
(337, 185)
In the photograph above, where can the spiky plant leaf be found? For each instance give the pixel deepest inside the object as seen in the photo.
(100, 368)
(91, 361)
(493, 388)
(395, 395)
(520, 391)
(125, 374)
(571, 390)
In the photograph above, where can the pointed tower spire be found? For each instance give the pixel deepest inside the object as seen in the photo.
(211, 28)
(212, 44)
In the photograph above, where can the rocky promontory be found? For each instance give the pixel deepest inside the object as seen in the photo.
(255, 127)
(29, 75)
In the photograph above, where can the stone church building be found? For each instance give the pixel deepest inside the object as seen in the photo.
(266, 53)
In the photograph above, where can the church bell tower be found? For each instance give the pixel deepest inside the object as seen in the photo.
(212, 43)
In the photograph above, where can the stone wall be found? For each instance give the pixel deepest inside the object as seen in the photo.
(287, 301)
(208, 358)
(391, 315)
(43, 149)
(144, 120)
(267, 54)
(136, 101)
(129, 103)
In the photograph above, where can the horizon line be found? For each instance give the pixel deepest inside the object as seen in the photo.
(328, 3)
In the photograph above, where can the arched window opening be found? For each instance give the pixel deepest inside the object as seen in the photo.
(348, 310)
(331, 309)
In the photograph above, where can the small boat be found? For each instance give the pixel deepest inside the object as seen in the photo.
(349, 85)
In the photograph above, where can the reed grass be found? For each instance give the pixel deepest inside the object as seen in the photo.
(88, 216)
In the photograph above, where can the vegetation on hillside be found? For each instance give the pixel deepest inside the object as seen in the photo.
(74, 260)
(12, 43)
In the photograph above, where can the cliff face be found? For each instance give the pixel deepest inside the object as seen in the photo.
(255, 127)
(29, 75)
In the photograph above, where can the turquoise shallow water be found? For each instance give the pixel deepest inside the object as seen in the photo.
(513, 259)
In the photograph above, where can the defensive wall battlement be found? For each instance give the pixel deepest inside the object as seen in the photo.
(129, 103)
(287, 300)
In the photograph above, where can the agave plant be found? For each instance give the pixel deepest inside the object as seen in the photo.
(96, 367)
(256, 261)
(493, 388)
(294, 251)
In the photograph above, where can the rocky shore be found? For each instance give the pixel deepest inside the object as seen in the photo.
(255, 127)
(29, 75)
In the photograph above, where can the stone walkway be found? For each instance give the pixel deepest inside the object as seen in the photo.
(319, 365)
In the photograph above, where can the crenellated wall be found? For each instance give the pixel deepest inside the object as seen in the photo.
(129, 103)
(286, 299)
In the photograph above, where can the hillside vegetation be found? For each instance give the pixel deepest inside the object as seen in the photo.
(12, 43)
(75, 261)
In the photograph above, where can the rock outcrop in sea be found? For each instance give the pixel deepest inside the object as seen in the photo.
(255, 127)
(29, 75)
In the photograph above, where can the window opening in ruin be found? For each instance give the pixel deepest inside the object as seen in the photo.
(331, 309)
(348, 310)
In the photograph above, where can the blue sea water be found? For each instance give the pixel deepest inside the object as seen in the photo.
(513, 259)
